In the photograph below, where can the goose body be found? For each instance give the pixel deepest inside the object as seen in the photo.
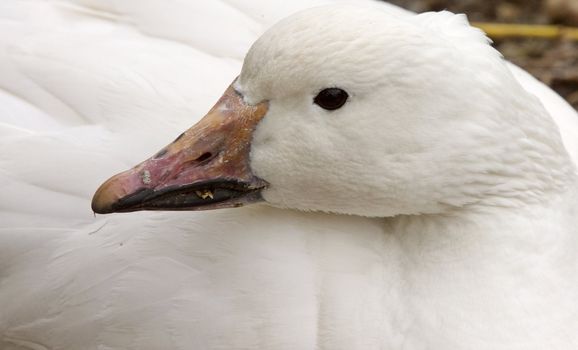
(89, 88)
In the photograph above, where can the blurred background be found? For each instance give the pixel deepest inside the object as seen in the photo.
(552, 60)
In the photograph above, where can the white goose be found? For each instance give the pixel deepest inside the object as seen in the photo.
(462, 191)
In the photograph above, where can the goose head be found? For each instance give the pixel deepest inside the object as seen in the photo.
(355, 111)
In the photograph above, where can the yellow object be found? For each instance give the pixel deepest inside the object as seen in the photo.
(504, 30)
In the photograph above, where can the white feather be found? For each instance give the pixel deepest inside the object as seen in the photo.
(91, 87)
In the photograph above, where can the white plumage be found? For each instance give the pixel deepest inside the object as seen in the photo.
(90, 88)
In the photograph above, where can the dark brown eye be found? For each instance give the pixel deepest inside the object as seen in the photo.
(331, 98)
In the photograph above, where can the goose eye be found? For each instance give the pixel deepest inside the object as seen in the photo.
(331, 98)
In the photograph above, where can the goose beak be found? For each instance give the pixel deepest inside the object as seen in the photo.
(206, 167)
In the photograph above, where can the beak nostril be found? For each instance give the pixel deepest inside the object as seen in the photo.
(203, 157)
(200, 160)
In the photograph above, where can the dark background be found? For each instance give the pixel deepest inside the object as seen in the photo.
(554, 61)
